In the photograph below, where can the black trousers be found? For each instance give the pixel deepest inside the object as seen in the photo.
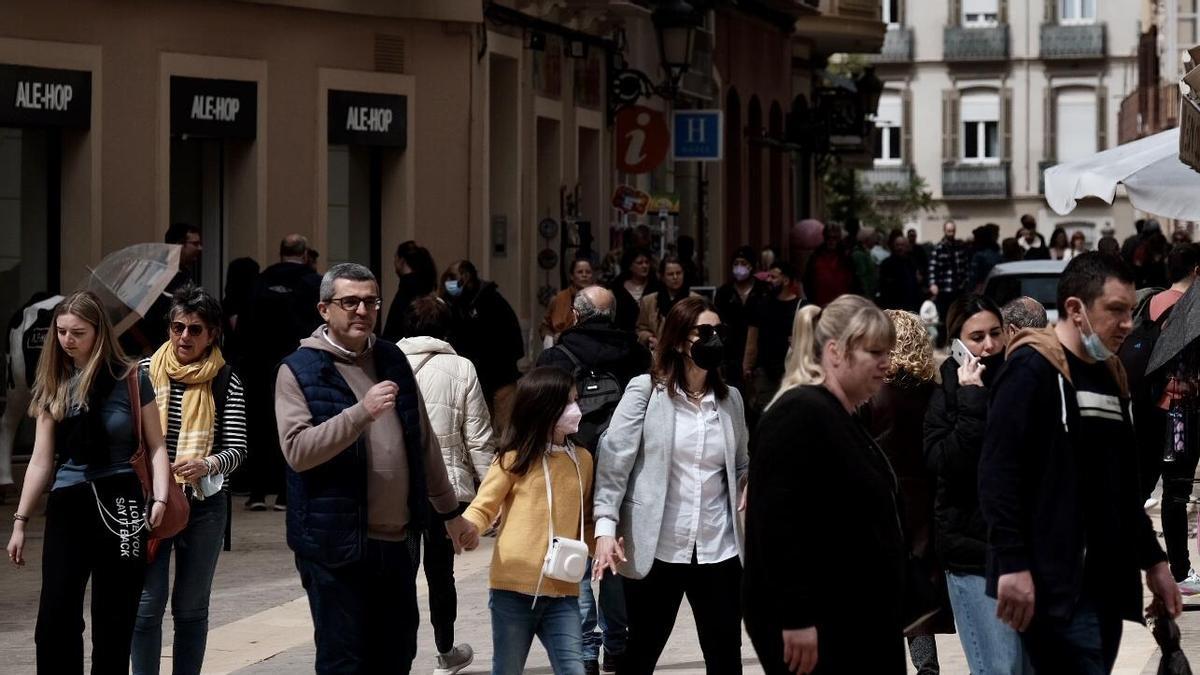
(364, 613)
(264, 462)
(438, 560)
(713, 591)
(1177, 477)
(78, 545)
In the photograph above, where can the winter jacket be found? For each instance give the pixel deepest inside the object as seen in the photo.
(598, 344)
(458, 413)
(1032, 490)
(486, 331)
(954, 426)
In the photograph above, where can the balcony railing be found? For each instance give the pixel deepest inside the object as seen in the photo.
(885, 175)
(897, 46)
(1073, 42)
(1042, 166)
(980, 181)
(962, 43)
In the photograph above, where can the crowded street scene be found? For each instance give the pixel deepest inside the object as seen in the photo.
(816, 337)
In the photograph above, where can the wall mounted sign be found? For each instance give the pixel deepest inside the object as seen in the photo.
(361, 118)
(642, 139)
(697, 135)
(211, 108)
(628, 199)
(45, 97)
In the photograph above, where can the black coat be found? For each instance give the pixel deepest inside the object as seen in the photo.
(486, 331)
(822, 518)
(282, 312)
(411, 288)
(954, 427)
(599, 344)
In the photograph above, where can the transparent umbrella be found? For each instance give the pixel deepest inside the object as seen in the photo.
(131, 279)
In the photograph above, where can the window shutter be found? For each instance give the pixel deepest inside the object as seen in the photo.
(1049, 138)
(955, 18)
(950, 131)
(906, 124)
(1006, 123)
(1101, 118)
(901, 13)
(1002, 12)
(1051, 11)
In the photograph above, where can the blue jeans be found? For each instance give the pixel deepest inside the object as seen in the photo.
(610, 615)
(991, 647)
(1085, 644)
(196, 550)
(515, 620)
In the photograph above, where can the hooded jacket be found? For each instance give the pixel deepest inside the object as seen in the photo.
(487, 332)
(598, 344)
(458, 413)
(1032, 491)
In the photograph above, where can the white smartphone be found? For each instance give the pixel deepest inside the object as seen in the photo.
(959, 352)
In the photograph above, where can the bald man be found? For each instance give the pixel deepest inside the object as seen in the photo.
(1024, 312)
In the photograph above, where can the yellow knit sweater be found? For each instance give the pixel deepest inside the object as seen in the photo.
(522, 542)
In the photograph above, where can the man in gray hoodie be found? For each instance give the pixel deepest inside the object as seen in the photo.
(363, 469)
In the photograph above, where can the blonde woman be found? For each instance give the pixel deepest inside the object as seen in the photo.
(825, 556)
(895, 416)
(96, 516)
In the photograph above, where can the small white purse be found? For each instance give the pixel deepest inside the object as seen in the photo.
(566, 559)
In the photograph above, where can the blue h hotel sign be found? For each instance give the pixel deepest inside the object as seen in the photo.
(697, 135)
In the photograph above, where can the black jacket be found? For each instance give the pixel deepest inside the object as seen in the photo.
(1032, 490)
(282, 312)
(411, 288)
(601, 345)
(806, 560)
(735, 314)
(954, 427)
(486, 331)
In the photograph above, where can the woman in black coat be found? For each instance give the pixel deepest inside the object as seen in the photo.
(825, 555)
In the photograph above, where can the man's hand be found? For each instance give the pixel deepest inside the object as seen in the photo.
(380, 399)
(1166, 592)
(800, 650)
(463, 534)
(1014, 599)
(609, 552)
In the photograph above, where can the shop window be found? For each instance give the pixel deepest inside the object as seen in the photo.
(353, 232)
(981, 127)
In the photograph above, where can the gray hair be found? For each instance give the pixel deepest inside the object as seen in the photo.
(586, 309)
(1025, 312)
(349, 271)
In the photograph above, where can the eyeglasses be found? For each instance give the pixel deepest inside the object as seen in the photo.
(350, 303)
(193, 329)
(706, 331)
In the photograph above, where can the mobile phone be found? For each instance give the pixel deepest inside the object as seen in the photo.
(959, 352)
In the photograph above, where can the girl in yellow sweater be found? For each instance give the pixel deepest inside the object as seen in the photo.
(542, 484)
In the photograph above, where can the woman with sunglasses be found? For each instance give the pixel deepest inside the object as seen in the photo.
(202, 409)
(670, 471)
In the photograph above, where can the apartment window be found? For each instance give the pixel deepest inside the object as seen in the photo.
(981, 127)
(980, 13)
(891, 12)
(890, 121)
(1075, 124)
(1079, 11)
(1186, 28)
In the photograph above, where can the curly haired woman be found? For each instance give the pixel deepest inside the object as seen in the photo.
(894, 416)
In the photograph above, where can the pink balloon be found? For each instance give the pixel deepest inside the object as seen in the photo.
(808, 234)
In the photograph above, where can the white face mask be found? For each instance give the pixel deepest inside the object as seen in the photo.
(568, 422)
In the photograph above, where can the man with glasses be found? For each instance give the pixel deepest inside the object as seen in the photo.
(363, 470)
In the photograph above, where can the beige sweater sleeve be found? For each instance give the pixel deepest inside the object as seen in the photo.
(437, 483)
(306, 446)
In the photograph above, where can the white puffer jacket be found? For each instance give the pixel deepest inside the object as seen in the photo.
(457, 411)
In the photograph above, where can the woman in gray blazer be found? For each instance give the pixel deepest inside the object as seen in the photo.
(670, 471)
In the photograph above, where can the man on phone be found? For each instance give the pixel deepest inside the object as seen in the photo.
(1058, 481)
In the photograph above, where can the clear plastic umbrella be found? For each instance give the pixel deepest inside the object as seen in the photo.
(130, 280)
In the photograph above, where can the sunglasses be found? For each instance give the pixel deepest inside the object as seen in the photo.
(350, 303)
(706, 331)
(193, 329)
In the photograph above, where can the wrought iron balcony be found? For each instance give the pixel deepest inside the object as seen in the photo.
(979, 181)
(1073, 42)
(962, 43)
(897, 46)
(885, 175)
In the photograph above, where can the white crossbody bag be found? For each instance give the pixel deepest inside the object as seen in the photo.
(566, 559)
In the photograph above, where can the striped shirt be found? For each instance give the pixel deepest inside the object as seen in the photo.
(229, 441)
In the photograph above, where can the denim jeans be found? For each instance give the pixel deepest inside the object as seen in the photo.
(515, 620)
(365, 615)
(610, 615)
(990, 645)
(1085, 644)
(196, 550)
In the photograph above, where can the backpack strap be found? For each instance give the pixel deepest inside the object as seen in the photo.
(571, 355)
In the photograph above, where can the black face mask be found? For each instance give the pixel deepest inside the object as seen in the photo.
(708, 353)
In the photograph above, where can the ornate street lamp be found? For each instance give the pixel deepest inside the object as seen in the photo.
(676, 22)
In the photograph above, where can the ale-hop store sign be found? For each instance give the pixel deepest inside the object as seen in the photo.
(360, 118)
(210, 108)
(45, 97)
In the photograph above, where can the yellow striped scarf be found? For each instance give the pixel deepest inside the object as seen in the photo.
(198, 418)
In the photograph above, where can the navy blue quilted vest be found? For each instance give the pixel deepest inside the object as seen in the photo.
(327, 504)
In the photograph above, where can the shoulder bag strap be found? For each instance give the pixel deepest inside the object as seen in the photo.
(423, 362)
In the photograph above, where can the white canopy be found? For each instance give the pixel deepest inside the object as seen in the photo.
(1149, 168)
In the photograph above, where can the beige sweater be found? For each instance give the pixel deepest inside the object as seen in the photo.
(306, 446)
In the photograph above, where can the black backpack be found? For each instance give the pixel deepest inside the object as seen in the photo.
(1136, 350)
(599, 392)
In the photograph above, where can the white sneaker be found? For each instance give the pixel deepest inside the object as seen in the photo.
(1190, 585)
(454, 660)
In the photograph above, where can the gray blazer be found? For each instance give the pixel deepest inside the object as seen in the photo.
(633, 465)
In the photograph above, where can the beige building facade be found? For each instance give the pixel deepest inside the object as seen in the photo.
(983, 95)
